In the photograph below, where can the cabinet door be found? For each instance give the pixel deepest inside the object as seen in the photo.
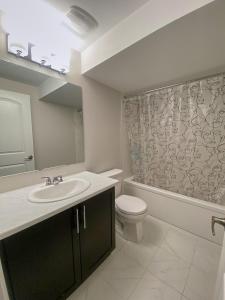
(97, 231)
(42, 262)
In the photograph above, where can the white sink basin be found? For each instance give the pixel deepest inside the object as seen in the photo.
(61, 191)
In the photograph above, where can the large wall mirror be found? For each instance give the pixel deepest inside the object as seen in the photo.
(41, 120)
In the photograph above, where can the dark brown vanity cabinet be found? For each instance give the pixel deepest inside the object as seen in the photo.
(97, 231)
(49, 260)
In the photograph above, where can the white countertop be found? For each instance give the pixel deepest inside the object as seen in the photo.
(17, 213)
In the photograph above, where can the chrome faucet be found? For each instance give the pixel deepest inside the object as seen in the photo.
(57, 179)
(48, 180)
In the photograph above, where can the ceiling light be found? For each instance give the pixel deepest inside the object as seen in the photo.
(80, 21)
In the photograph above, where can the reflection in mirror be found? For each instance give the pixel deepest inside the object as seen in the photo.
(41, 121)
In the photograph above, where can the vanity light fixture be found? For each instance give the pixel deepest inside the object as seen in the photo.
(39, 55)
(33, 38)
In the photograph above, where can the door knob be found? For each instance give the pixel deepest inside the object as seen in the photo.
(28, 158)
(216, 220)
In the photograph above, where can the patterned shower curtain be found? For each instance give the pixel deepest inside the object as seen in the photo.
(177, 138)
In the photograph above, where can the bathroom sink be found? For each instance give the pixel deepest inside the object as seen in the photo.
(61, 191)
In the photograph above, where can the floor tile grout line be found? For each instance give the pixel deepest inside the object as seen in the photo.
(165, 283)
(178, 257)
(139, 280)
(144, 268)
(191, 264)
(152, 259)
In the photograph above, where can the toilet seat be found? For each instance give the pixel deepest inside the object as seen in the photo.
(131, 205)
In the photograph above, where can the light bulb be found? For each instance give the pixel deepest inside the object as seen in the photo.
(40, 55)
(17, 46)
(64, 69)
(60, 61)
(60, 67)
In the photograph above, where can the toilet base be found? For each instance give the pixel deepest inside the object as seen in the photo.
(133, 231)
(130, 231)
(131, 225)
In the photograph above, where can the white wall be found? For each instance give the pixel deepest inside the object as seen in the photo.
(124, 145)
(101, 106)
(149, 18)
(79, 135)
(186, 49)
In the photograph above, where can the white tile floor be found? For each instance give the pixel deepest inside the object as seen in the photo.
(169, 264)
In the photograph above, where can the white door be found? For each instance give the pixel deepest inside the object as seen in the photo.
(220, 283)
(16, 138)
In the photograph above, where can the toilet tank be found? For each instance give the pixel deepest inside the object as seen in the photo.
(116, 174)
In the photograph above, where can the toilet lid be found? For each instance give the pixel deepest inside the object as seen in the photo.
(131, 205)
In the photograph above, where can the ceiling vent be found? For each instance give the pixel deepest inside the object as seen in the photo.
(80, 21)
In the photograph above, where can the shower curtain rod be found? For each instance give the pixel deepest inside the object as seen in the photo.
(172, 85)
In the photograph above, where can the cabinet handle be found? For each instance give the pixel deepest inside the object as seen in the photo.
(78, 223)
(84, 216)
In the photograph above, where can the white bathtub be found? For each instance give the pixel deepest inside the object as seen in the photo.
(187, 213)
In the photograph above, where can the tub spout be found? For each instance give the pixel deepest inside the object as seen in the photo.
(216, 220)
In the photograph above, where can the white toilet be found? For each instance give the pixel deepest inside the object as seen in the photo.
(130, 211)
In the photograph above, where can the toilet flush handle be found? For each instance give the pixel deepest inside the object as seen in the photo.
(216, 220)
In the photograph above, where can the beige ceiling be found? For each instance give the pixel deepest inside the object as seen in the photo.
(188, 48)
